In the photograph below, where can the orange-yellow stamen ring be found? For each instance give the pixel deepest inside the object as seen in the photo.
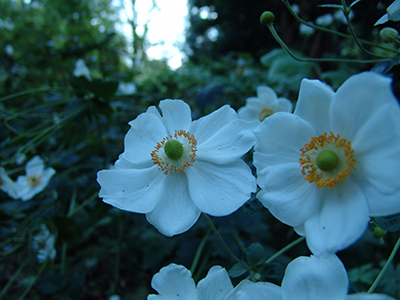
(33, 180)
(169, 165)
(309, 153)
(265, 113)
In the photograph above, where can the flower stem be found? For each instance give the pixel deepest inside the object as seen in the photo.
(284, 249)
(11, 281)
(223, 242)
(385, 267)
(32, 283)
(199, 250)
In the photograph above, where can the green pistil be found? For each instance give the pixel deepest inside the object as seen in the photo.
(173, 149)
(327, 160)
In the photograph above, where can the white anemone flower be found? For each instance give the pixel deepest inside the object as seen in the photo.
(393, 13)
(81, 69)
(175, 282)
(316, 278)
(7, 185)
(265, 104)
(172, 169)
(126, 88)
(334, 162)
(35, 180)
(43, 244)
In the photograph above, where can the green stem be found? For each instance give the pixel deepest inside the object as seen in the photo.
(11, 281)
(34, 281)
(32, 91)
(286, 2)
(223, 242)
(287, 49)
(82, 205)
(284, 249)
(385, 267)
(199, 250)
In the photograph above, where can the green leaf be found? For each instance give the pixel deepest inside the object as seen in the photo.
(237, 270)
(391, 224)
(255, 253)
(336, 6)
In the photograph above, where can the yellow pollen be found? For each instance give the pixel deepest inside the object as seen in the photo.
(170, 166)
(309, 153)
(33, 180)
(266, 112)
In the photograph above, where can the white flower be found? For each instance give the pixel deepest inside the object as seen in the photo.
(9, 49)
(35, 180)
(324, 20)
(126, 88)
(334, 162)
(316, 278)
(306, 30)
(7, 185)
(172, 169)
(393, 13)
(81, 69)
(265, 104)
(175, 282)
(43, 244)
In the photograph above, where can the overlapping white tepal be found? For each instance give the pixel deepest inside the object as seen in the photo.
(265, 104)
(333, 163)
(172, 168)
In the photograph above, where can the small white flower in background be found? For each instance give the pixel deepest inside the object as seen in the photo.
(9, 49)
(173, 168)
(43, 244)
(324, 20)
(7, 185)
(334, 163)
(393, 13)
(7, 24)
(339, 16)
(176, 282)
(126, 88)
(35, 180)
(316, 278)
(114, 297)
(265, 104)
(306, 30)
(81, 69)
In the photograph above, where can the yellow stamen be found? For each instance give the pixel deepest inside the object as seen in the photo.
(33, 180)
(328, 178)
(266, 112)
(186, 159)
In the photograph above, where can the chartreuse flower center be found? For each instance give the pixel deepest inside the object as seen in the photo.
(265, 113)
(175, 152)
(33, 180)
(327, 160)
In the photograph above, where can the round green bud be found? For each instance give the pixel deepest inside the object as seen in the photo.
(388, 35)
(173, 149)
(267, 18)
(327, 160)
(378, 232)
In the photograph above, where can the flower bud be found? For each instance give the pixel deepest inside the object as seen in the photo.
(388, 34)
(267, 18)
(378, 232)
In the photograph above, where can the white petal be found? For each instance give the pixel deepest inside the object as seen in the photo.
(228, 144)
(175, 212)
(146, 131)
(284, 105)
(216, 285)
(313, 105)
(290, 198)
(34, 166)
(207, 126)
(364, 296)
(383, 19)
(132, 189)
(176, 115)
(247, 290)
(394, 11)
(220, 190)
(252, 109)
(279, 140)
(341, 221)
(357, 100)
(377, 150)
(315, 278)
(267, 97)
(174, 282)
